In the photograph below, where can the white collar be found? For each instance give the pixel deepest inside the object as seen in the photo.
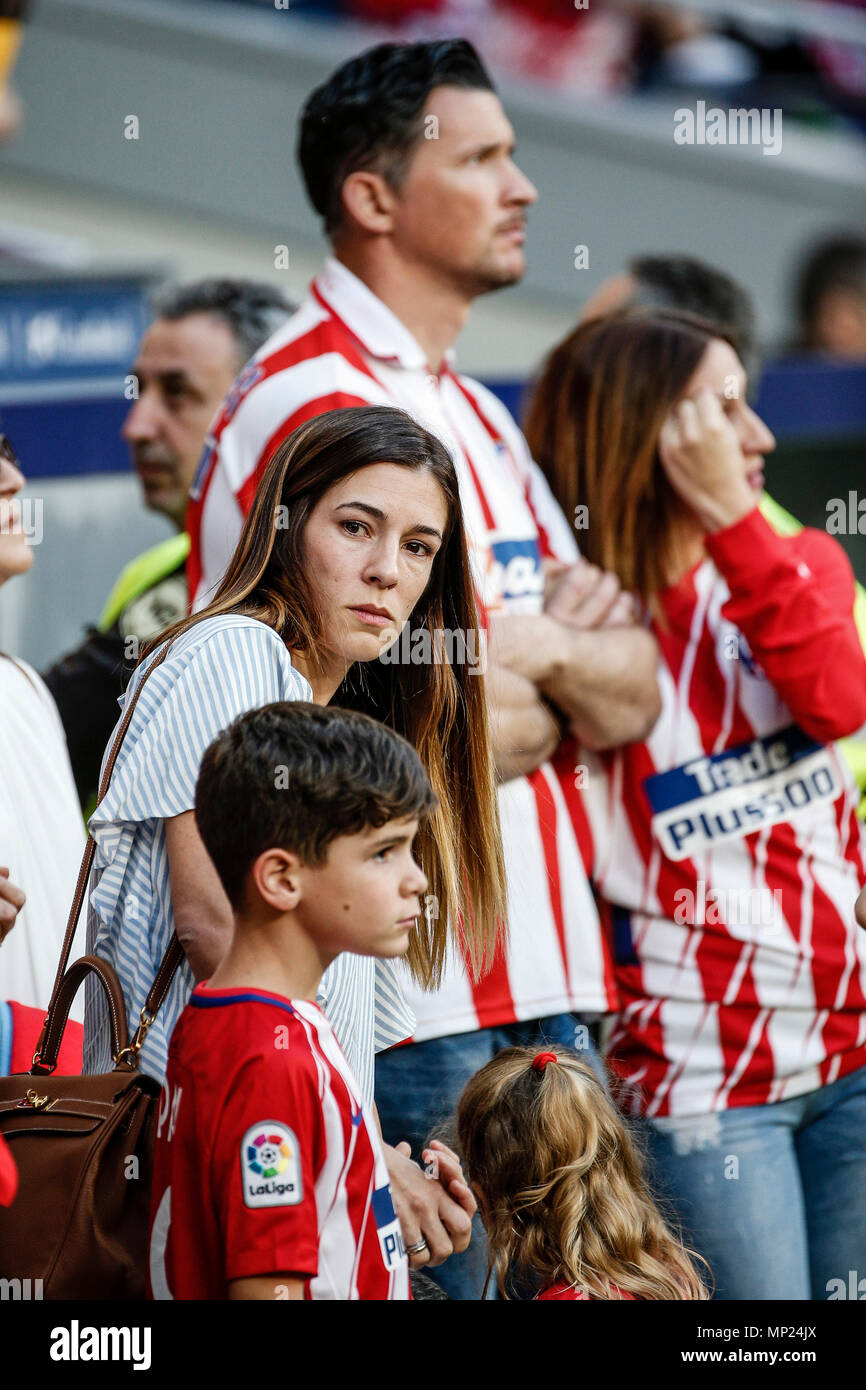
(377, 328)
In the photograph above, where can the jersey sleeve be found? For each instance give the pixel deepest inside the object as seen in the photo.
(267, 1149)
(793, 599)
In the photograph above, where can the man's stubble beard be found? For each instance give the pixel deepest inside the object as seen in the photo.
(486, 279)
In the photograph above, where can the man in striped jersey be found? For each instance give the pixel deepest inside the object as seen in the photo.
(408, 157)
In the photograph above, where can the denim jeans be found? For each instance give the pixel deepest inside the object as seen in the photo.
(417, 1089)
(773, 1196)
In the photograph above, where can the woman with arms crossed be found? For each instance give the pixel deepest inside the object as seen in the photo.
(355, 528)
(726, 844)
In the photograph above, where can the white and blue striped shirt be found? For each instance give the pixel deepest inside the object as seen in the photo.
(215, 671)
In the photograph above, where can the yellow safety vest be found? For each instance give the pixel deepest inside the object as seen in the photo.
(142, 574)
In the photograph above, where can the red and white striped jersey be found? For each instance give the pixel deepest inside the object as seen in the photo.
(266, 1160)
(344, 347)
(727, 844)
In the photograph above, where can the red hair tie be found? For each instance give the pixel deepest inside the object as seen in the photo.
(541, 1061)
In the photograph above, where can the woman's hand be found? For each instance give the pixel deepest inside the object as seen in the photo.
(701, 456)
(12, 899)
(438, 1212)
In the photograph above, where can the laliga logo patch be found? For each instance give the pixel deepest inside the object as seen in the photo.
(270, 1166)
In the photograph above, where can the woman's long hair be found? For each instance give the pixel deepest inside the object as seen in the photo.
(564, 1197)
(593, 426)
(438, 706)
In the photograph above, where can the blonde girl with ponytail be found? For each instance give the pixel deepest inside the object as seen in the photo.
(560, 1185)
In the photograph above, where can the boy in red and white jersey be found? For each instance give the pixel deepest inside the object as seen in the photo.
(270, 1178)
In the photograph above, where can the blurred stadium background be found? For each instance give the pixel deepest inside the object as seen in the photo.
(91, 220)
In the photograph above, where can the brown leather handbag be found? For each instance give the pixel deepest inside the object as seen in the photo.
(83, 1145)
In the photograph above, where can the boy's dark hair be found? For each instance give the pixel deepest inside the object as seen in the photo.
(295, 776)
(370, 112)
(251, 309)
(693, 287)
(837, 263)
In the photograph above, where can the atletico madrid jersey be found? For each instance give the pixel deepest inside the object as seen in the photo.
(727, 843)
(266, 1159)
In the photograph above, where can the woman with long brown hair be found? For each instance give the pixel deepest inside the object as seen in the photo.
(727, 846)
(356, 531)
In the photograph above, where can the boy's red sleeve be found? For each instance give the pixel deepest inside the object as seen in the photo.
(267, 1150)
(793, 599)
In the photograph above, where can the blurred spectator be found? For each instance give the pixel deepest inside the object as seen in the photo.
(581, 49)
(576, 51)
(201, 337)
(680, 48)
(41, 834)
(843, 67)
(831, 299)
(686, 284)
(11, 30)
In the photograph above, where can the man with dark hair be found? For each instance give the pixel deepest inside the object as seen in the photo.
(831, 299)
(408, 157)
(200, 338)
(370, 115)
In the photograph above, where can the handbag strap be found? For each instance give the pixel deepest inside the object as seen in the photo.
(90, 847)
(55, 1019)
(58, 1012)
(124, 1053)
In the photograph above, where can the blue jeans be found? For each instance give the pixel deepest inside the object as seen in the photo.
(773, 1196)
(417, 1089)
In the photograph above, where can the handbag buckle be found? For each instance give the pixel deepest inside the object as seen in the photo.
(145, 1019)
(33, 1101)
